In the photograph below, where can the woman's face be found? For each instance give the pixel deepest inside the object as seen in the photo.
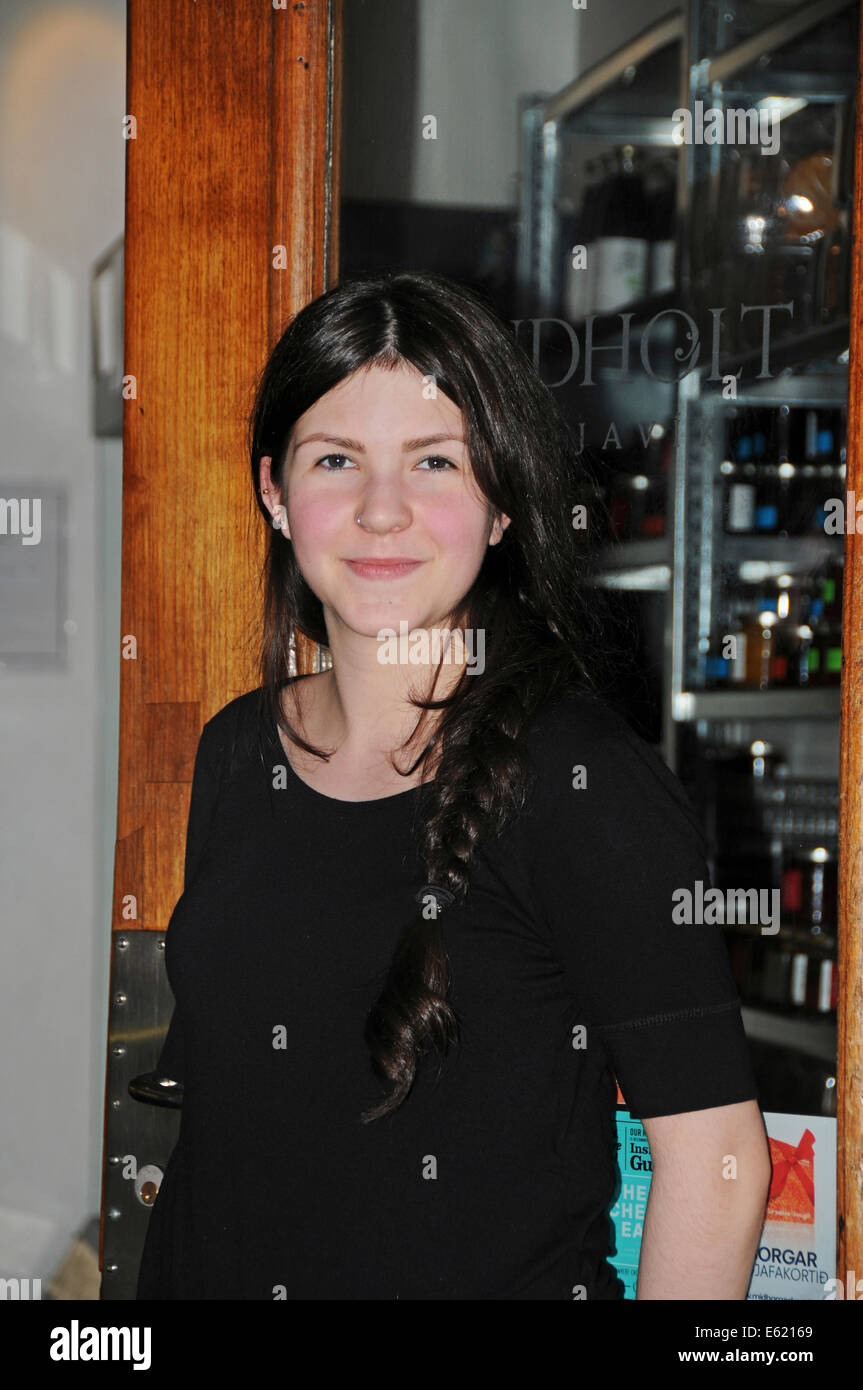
(382, 446)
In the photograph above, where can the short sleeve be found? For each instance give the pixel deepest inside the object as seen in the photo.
(613, 837)
(206, 779)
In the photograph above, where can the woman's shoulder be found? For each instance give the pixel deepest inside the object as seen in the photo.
(236, 711)
(579, 743)
(235, 726)
(575, 719)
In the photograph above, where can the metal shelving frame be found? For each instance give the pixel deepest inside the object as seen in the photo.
(683, 563)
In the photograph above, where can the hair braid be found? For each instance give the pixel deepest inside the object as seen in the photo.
(481, 781)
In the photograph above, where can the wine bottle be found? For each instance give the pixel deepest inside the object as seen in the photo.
(661, 223)
(579, 232)
(623, 239)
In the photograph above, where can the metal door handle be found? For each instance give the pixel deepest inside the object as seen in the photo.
(155, 1089)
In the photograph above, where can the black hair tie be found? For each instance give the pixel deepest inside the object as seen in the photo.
(442, 896)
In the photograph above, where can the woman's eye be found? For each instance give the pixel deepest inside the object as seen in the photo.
(338, 460)
(436, 458)
(341, 457)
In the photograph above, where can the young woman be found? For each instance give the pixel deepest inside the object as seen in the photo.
(427, 917)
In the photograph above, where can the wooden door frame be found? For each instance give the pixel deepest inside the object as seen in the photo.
(849, 1104)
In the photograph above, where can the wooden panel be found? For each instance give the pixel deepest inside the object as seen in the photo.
(849, 1105)
(233, 156)
(305, 144)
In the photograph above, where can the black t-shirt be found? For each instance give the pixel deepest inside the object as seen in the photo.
(494, 1178)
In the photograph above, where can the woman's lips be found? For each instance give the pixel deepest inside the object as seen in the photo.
(382, 569)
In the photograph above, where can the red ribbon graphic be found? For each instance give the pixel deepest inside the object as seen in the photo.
(791, 1159)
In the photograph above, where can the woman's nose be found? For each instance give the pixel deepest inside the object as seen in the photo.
(382, 506)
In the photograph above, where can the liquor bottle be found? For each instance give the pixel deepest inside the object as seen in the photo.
(802, 662)
(579, 231)
(801, 612)
(822, 982)
(767, 500)
(600, 193)
(803, 519)
(717, 661)
(827, 634)
(792, 893)
(789, 498)
(737, 647)
(815, 982)
(797, 432)
(798, 974)
(741, 446)
(661, 222)
(739, 500)
(787, 637)
(813, 658)
(813, 975)
(739, 477)
(752, 613)
(776, 969)
(622, 239)
(760, 425)
(809, 890)
(758, 631)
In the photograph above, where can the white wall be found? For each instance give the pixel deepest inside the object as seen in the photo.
(62, 97)
(476, 59)
(465, 62)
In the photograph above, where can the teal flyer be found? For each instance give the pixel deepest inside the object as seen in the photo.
(627, 1214)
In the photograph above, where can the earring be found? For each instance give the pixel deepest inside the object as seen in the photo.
(359, 522)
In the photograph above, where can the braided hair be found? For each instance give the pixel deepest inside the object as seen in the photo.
(542, 624)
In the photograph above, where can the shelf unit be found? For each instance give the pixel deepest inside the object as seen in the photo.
(721, 57)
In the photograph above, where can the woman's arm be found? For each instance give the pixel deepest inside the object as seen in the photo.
(708, 1196)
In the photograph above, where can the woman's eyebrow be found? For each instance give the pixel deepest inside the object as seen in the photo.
(408, 446)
